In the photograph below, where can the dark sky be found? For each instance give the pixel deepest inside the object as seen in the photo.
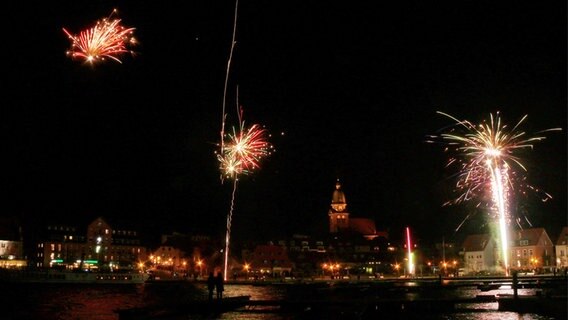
(354, 86)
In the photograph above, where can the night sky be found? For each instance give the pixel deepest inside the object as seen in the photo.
(354, 87)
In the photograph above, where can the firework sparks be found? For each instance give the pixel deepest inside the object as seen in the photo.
(486, 154)
(410, 254)
(244, 150)
(107, 39)
(241, 154)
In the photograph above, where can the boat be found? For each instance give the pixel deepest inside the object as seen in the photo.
(70, 276)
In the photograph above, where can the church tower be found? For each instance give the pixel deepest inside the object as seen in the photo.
(338, 214)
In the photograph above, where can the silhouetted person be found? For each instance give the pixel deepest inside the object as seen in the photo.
(211, 285)
(219, 285)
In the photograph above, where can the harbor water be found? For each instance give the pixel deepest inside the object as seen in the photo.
(99, 302)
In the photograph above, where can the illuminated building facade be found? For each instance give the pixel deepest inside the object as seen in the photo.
(100, 246)
(340, 220)
(479, 252)
(270, 259)
(338, 214)
(11, 244)
(562, 249)
(531, 249)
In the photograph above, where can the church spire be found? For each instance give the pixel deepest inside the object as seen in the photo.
(338, 215)
(338, 202)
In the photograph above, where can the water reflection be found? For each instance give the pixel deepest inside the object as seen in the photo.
(494, 316)
(71, 302)
(257, 292)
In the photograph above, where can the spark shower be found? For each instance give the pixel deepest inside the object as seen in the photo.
(489, 167)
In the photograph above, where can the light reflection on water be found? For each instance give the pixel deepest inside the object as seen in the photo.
(256, 292)
(493, 316)
(78, 302)
(477, 311)
(62, 302)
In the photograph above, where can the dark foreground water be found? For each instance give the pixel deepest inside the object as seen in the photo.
(50, 301)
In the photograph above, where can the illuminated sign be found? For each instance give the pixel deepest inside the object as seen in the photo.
(89, 261)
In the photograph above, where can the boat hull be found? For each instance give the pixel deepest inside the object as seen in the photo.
(54, 276)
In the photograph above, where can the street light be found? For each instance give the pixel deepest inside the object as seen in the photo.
(534, 262)
(247, 267)
(199, 263)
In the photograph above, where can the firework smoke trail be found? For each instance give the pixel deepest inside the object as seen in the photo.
(233, 42)
(487, 158)
(107, 39)
(231, 166)
(228, 232)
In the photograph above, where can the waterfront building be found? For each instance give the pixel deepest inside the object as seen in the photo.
(114, 246)
(531, 249)
(302, 243)
(99, 245)
(269, 259)
(562, 249)
(58, 246)
(304, 253)
(189, 254)
(168, 258)
(11, 244)
(479, 253)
